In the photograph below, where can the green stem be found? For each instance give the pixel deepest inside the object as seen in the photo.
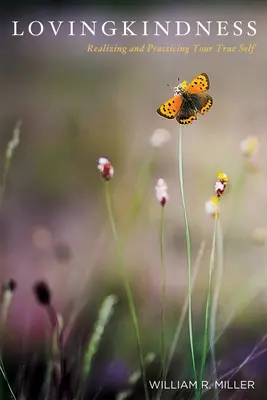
(8, 158)
(2, 367)
(208, 301)
(182, 317)
(163, 291)
(188, 249)
(214, 306)
(4, 180)
(2, 370)
(127, 287)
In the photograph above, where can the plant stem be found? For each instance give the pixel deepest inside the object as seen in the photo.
(127, 287)
(208, 300)
(104, 315)
(12, 144)
(188, 249)
(182, 317)
(2, 367)
(2, 370)
(163, 291)
(214, 305)
(135, 208)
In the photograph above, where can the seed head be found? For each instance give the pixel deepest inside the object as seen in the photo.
(14, 142)
(11, 285)
(221, 176)
(42, 293)
(161, 189)
(8, 289)
(106, 169)
(220, 184)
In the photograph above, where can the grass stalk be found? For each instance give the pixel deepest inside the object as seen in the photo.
(126, 286)
(163, 291)
(188, 250)
(182, 316)
(10, 149)
(133, 213)
(105, 313)
(6, 299)
(11, 146)
(214, 305)
(208, 300)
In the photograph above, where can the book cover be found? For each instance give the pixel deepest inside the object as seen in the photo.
(132, 206)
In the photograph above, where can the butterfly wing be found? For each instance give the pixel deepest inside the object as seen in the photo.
(170, 108)
(199, 84)
(187, 114)
(205, 102)
(192, 105)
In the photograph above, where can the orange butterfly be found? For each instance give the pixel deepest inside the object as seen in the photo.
(188, 101)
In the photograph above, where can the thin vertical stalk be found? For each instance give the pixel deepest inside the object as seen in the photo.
(11, 146)
(3, 311)
(104, 315)
(126, 286)
(188, 250)
(163, 291)
(214, 305)
(182, 316)
(208, 299)
(135, 208)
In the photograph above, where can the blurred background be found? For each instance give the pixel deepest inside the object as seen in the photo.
(76, 107)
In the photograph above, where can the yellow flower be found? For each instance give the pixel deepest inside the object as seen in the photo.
(212, 206)
(221, 183)
(249, 146)
(222, 177)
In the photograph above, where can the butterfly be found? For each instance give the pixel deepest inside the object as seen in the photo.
(188, 101)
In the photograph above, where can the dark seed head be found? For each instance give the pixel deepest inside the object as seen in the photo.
(11, 285)
(42, 293)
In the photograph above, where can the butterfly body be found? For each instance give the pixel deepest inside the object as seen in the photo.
(188, 101)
